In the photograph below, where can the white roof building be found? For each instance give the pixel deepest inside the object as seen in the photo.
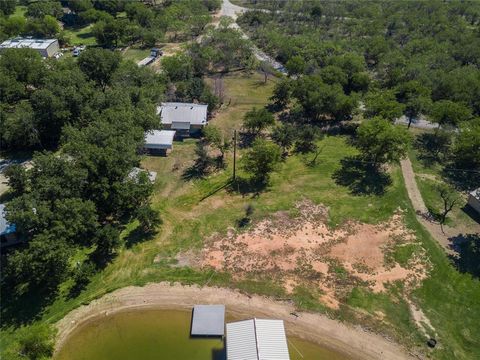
(159, 139)
(182, 116)
(257, 339)
(46, 47)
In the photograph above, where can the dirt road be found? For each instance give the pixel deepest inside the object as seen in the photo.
(352, 341)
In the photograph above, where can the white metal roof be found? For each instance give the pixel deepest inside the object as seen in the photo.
(241, 341)
(5, 226)
(159, 139)
(195, 114)
(476, 193)
(257, 339)
(37, 44)
(208, 320)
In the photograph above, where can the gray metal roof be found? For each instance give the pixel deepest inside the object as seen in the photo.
(257, 339)
(37, 44)
(208, 320)
(159, 139)
(476, 193)
(195, 114)
(5, 226)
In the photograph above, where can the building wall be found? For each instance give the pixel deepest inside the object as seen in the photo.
(52, 49)
(474, 203)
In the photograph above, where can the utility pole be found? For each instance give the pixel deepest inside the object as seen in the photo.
(234, 153)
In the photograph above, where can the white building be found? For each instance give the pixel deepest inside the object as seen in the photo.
(184, 117)
(45, 47)
(474, 200)
(257, 339)
(159, 141)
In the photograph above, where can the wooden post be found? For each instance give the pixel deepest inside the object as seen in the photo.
(234, 153)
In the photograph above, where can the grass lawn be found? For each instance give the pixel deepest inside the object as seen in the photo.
(192, 210)
(81, 35)
(20, 10)
(135, 54)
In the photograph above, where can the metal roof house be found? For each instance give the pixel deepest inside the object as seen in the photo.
(184, 117)
(474, 200)
(7, 230)
(46, 47)
(208, 320)
(257, 339)
(159, 141)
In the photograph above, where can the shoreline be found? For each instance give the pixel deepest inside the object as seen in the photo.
(345, 339)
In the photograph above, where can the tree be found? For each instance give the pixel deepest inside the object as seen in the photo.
(466, 149)
(23, 65)
(39, 9)
(215, 138)
(14, 25)
(261, 160)
(281, 94)
(20, 129)
(34, 342)
(284, 136)
(99, 65)
(109, 32)
(17, 178)
(383, 104)
(449, 197)
(257, 120)
(416, 99)
(295, 65)
(177, 67)
(381, 142)
(8, 6)
(149, 218)
(449, 113)
(306, 139)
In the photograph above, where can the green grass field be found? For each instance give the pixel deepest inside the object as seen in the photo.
(192, 210)
(81, 35)
(136, 54)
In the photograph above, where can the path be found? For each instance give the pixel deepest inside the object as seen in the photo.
(352, 341)
(434, 228)
(421, 122)
(232, 11)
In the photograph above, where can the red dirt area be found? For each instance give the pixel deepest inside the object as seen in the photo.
(305, 251)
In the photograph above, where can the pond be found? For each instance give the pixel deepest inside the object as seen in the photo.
(158, 335)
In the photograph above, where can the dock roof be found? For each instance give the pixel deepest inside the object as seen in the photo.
(208, 320)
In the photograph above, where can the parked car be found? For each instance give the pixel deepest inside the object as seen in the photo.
(76, 52)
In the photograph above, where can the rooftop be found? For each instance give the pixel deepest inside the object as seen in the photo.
(27, 43)
(159, 139)
(208, 320)
(257, 339)
(195, 114)
(476, 193)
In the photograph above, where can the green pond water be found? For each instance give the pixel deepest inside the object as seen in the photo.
(159, 335)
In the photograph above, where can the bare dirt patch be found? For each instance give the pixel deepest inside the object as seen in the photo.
(304, 250)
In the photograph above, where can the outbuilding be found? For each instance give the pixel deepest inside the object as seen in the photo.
(257, 339)
(186, 118)
(159, 141)
(474, 200)
(45, 47)
(7, 230)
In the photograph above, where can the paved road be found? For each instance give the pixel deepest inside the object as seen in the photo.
(421, 123)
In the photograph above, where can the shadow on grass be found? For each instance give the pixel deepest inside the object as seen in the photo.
(467, 259)
(138, 236)
(463, 179)
(432, 148)
(361, 178)
(247, 186)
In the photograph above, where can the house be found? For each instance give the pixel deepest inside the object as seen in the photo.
(474, 200)
(187, 119)
(45, 47)
(159, 141)
(7, 230)
(256, 339)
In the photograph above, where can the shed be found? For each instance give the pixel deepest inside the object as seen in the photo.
(257, 339)
(159, 140)
(474, 200)
(7, 230)
(185, 117)
(45, 47)
(208, 320)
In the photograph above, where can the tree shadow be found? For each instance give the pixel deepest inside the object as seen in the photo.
(361, 178)
(246, 139)
(462, 179)
(247, 186)
(201, 168)
(431, 148)
(467, 257)
(138, 236)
